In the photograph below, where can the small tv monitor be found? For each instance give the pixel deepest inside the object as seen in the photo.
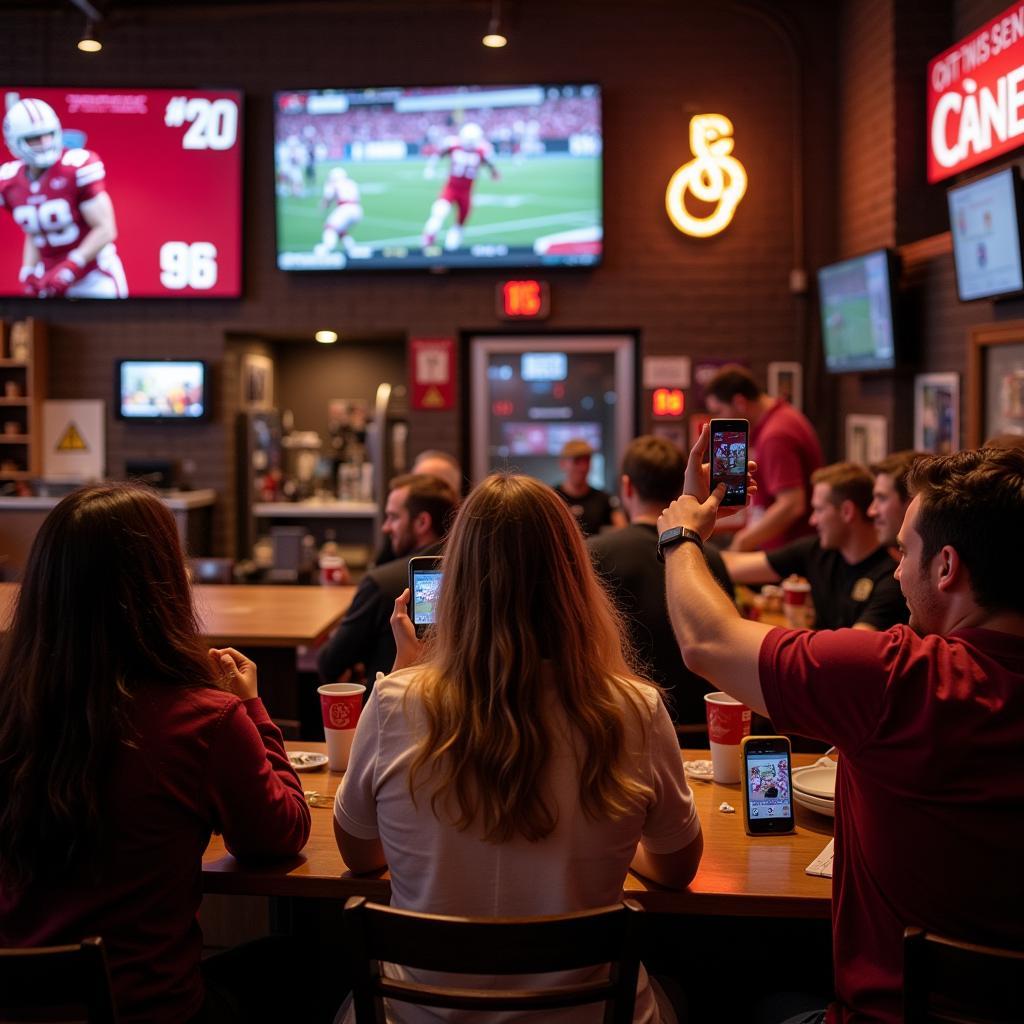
(984, 220)
(162, 390)
(444, 177)
(120, 193)
(857, 317)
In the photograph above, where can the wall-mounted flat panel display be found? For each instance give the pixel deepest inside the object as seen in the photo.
(857, 322)
(161, 389)
(450, 176)
(121, 193)
(984, 219)
(529, 395)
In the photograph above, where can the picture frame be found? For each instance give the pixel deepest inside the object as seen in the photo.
(256, 381)
(995, 381)
(867, 438)
(937, 413)
(786, 380)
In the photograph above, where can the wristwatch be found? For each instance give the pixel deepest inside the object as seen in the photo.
(677, 535)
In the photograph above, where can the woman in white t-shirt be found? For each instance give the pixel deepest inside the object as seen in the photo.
(513, 764)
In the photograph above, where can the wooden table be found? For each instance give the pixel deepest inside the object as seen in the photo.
(266, 622)
(739, 876)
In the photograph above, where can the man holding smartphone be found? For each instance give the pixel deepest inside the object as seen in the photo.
(928, 719)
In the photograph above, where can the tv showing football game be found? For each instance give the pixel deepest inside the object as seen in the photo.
(121, 193)
(440, 177)
(161, 389)
(984, 220)
(857, 322)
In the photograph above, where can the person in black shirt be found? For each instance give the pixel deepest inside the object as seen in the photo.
(850, 573)
(652, 477)
(592, 508)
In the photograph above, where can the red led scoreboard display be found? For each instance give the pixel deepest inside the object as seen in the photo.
(121, 193)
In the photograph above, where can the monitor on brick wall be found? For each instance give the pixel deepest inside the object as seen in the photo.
(440, 177)
(121, 193)
(858, 323)
(984, 221)
(162, 390)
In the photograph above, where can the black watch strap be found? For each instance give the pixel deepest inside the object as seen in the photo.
(677, 535)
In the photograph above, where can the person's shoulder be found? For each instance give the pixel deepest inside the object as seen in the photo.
(633, 537)
(179, 709)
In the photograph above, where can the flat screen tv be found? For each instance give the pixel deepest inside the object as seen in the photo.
(162, 390)
(857, 319)
(984, 219)
(121, 193)
(440, 177)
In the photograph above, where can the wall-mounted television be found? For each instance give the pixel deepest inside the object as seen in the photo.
(440, 177)
(984, 219)
(857, 313)
(121, 193)
(162, 390)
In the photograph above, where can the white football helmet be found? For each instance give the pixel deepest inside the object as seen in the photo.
(338, 174)
(33, 119)
(471, 134)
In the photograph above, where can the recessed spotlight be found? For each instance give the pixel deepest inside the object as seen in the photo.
(89, 43)
(326, 337)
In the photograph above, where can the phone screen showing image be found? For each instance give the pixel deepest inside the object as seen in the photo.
(426, 585)
(729, 459)
(768, 790)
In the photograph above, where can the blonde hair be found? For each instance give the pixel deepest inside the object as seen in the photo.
(519, 590)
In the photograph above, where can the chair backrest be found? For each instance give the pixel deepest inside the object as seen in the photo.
(57, 983)
(493, 946)
(212, 570)
(949, 981)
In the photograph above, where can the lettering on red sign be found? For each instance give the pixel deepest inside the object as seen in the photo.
(667, 402)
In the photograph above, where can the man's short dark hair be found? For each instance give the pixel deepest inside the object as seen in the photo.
(848, 481)
(655, 467)
(896, 466)
(733, 380)
(428, 494)
(974, 502)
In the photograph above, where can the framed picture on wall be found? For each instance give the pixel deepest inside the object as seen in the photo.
(937, 413)
(786, 380)
(256, 376)
(866, 438)
(995, 381)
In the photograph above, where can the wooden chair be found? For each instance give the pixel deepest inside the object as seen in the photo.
(495, 946)
(958, 982)
(57, 984)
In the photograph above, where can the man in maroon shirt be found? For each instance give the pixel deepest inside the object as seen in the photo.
(787, 451)
(928, 719)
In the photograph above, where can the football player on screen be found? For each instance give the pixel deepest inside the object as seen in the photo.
(59, 199)
(342, 194)
(467, 153)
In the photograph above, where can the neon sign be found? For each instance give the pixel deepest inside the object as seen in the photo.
(712, 176)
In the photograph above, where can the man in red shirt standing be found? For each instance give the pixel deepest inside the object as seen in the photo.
(928, 718)
(787, 451)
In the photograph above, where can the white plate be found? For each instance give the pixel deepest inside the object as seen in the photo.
(306, 761)
(699, 770)
(815, 780)
(814, 803)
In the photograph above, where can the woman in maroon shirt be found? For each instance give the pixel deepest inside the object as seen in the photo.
(123, 743)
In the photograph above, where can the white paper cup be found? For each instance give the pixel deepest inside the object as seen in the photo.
(340, 704)
(728, 723)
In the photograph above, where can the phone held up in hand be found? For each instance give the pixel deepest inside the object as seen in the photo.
(425, 573)
(728, 455)
(767, 763)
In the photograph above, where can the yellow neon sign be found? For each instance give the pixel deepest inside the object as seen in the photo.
(713, 176)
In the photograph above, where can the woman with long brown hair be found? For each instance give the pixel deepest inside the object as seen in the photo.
(517, 766)
(124, 742)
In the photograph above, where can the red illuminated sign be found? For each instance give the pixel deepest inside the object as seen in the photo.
(523, 300)
(976, 97)
(668, 403)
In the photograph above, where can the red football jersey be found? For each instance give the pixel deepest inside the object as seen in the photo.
(465, 163)
(48, 208)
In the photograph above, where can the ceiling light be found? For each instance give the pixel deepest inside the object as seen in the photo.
(326, 337)
(89, 43)
(495, 37)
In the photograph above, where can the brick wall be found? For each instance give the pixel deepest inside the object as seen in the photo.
(658, 64)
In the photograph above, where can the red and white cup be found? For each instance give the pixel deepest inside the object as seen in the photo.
(728, 723)
(340, 704)
(796, 603)
(333, 571)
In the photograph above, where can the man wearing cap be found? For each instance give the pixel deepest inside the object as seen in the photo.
(593, 508)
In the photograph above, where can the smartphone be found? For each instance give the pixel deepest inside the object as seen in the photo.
(729, 453)
(767, 785)
(425, 572)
